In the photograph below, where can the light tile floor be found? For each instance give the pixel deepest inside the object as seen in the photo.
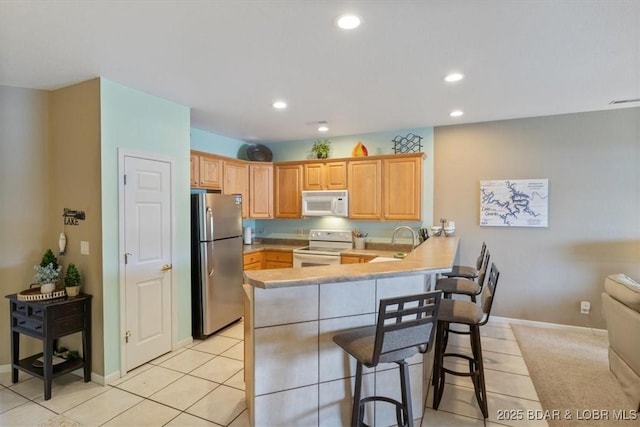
(202, 385)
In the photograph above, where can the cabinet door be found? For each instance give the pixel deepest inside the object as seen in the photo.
(261, 190)
(349, 259)
(253, 261)
(195, 170)
(236, 181)
(288, 187)
(210, 172)
(364, 179)
(325, 176)
(336, 175)
(402, 188)
(313, 176)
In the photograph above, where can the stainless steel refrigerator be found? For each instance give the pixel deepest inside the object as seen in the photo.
(216, 261)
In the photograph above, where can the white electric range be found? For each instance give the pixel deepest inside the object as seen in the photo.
(324, 248)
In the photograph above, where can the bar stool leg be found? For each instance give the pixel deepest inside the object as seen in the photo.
(438, 371)
(478, 377)
(405, 386)
(356, 411)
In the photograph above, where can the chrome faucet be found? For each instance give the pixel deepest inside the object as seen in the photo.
(414, 237)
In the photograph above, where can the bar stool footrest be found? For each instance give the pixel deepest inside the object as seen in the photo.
(400, 409)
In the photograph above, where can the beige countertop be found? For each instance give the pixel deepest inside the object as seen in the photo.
(434, 255)
(257, 247)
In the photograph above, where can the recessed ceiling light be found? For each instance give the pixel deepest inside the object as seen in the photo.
(453, 77)
(456, 113)
(323, 126)
(348, 22)
(279, 105)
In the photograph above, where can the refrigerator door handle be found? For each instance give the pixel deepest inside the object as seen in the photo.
(210, 259)
(210, 215)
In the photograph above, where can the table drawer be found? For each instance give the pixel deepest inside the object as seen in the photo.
(30, 324)
(68, 311)
(68, 324)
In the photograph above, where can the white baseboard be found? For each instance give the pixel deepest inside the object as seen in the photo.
(537, 324)
(183, 343)
(5, 368)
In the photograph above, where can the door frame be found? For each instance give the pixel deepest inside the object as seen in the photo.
(122, 153)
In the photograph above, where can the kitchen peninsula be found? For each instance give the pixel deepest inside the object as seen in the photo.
(294, 373)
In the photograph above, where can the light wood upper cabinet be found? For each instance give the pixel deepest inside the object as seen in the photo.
(365, 189)
(261, 190)
(195, 170)
(288, 188)
(402, 188)
(236, 181)
(210, 172)
(389, 188)
(325, 176)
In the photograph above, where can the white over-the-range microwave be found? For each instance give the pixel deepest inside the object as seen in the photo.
(325, 203)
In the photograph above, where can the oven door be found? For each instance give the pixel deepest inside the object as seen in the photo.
(310, 260)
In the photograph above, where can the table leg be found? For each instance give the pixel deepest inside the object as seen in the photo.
(86, 343)
(47, 367)
(15, 355)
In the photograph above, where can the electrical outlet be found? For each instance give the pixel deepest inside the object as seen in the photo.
(585, 307)
(84, 247)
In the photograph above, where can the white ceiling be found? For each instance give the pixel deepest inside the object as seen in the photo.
(229, 60)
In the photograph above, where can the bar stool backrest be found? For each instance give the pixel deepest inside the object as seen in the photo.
(488, 293)
(406, 326)
(481, 257)
(482, 273)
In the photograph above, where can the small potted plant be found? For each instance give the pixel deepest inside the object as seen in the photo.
(321, 148)
(72, 280)
(47, 273)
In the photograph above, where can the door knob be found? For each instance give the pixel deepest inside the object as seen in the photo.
(166, 267)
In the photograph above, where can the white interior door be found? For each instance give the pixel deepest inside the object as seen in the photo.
(148, 275)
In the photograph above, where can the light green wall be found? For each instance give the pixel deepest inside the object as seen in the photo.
(379, 143)
(217, 144)
(134, 120)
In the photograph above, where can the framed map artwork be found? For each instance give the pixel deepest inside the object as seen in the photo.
(514, 203)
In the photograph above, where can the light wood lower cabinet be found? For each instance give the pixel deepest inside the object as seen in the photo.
(278, 259)
(268, 259)
(253, 261)
(355, 259)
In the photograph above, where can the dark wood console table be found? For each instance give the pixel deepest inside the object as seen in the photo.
(47, 321)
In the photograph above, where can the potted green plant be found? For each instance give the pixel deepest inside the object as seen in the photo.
(321, 148)
(47, 272)
(72, 280)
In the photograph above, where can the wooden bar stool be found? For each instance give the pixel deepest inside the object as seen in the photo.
(462, 286)
(473, 315)
(405, 327)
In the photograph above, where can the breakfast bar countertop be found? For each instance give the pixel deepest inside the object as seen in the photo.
(434, 255)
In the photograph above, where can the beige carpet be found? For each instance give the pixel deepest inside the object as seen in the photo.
(570, 371)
